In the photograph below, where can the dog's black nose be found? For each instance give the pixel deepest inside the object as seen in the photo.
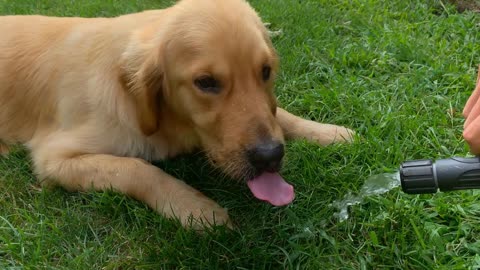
(266, 156)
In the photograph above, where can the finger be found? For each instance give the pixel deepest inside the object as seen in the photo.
(471, 134)
(473, 99)
(474, 113)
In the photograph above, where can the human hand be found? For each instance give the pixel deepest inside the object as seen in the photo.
(471, 112)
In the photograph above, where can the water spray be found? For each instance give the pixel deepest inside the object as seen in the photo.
(423, 176)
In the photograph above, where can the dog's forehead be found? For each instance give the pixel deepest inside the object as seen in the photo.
(221, 47)
(238, 42)
(209, 23)
(214, 37)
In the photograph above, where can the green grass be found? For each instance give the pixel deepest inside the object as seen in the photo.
(392, 70)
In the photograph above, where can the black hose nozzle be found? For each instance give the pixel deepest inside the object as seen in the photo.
(426, 176)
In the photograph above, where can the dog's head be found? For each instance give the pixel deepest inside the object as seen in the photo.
(212, 64)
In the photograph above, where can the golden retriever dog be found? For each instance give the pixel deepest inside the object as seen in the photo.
(95, 99)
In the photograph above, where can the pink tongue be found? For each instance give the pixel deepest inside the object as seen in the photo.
(272, 188)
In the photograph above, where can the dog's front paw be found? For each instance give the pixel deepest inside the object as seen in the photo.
(4, 149)
(205, 213)
(325, 134)
(343, 135)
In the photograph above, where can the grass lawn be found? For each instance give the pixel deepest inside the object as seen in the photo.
(398, 72)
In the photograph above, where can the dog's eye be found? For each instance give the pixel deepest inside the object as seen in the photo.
(208, 84)
(266, 70)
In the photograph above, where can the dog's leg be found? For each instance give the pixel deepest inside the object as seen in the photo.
(133, 177)
(4, 149)
(295, 127)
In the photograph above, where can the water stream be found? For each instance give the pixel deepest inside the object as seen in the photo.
(374, 185)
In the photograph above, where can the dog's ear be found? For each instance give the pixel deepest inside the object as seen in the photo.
(142, 76)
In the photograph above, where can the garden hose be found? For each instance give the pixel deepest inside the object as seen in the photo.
(427, 176)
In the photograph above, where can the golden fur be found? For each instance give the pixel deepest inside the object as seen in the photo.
(94, 99)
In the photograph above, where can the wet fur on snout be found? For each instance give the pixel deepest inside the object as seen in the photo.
(95, 99)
